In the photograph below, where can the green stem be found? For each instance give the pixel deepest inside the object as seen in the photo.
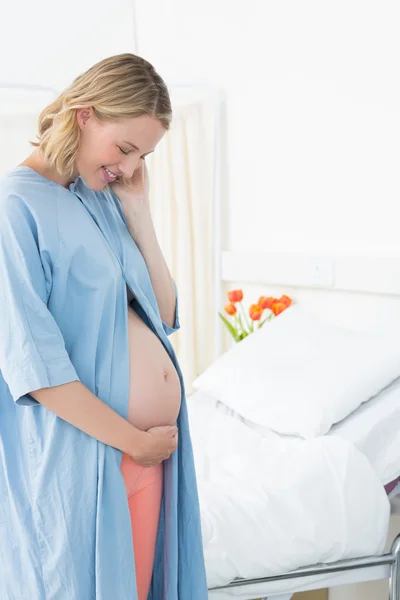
(242, 329)
(245, 317)
(237, 323)
(268, 318)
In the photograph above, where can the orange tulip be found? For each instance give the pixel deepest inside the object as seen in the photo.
(230, 309)
(266, 301)
(278, 307)
(285, 300)
(235, 296)
(255, 312)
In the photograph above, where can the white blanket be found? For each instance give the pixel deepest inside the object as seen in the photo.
(271, 504)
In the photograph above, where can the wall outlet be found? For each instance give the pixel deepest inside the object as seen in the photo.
(322, 273)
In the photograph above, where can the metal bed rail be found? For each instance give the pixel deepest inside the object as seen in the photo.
(391, 559)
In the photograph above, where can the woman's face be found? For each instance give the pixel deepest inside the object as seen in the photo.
(113, 148)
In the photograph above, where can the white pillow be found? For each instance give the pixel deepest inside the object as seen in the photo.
(299, 375)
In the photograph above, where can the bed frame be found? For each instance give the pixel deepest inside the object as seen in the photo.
(389, 568)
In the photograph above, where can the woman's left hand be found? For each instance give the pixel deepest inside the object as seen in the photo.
(134, 195)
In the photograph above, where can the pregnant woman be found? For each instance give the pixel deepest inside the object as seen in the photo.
(98, 499)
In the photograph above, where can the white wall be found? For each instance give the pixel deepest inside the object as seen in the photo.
(50, 43)
(313, 112)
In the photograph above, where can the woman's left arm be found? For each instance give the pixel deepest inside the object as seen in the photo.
(143, 232)
(134, 198)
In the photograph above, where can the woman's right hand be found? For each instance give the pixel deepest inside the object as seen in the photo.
(158, 443)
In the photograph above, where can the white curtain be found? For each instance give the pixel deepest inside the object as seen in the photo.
(182, 192)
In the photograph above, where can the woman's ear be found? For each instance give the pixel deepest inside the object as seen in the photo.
(83, 115)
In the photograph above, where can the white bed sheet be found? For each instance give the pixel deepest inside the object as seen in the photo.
(271, 503)
(374, 428)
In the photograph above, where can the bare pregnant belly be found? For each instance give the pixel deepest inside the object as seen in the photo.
(154, 386)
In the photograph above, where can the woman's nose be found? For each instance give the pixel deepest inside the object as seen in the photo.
(128, 166)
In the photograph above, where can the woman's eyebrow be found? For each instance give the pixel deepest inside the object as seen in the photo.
(130, 143)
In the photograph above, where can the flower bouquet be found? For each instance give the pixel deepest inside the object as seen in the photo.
(240, 325)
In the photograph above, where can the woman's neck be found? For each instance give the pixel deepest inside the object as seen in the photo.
(37, 162)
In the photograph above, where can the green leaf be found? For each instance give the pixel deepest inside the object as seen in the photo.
(230, 328)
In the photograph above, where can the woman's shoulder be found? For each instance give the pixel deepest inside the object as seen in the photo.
(23, 189)
(24, 181)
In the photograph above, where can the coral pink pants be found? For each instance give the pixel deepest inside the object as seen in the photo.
(144, 489)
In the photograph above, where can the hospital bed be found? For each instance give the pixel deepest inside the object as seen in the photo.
(378, 445)
(374, 428)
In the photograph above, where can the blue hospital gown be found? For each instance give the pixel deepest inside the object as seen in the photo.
(66, 257)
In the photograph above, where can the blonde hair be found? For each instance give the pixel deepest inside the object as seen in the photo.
(120, 86)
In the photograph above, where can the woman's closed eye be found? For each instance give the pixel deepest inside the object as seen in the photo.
(123, 151)
(127, 152)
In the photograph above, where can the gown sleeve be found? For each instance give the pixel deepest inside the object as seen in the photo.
(32, 348)
(169, 330)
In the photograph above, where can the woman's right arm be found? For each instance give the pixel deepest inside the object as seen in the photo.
(73, 402)
(76, 404)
